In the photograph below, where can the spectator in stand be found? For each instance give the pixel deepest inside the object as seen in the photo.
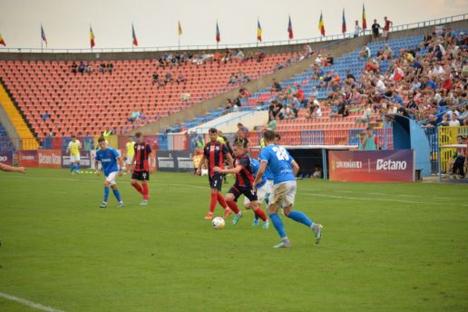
(244, 93)
(454, 122)
(386, 29)
(242, 128)
(357, 29)
(370, 142)
(155, 78)
(102, 68)
(276, 87)
(313, 108)
(232, 79)
(375, 29)
(168, 78)
(365, 52)
(74, 67)
(181, 78)
(81, 67)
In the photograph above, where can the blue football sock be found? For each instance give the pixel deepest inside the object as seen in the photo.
(300, 217)
(106, 193)
(72, 167)
(77, 167)
(276, 220)
(117, 194)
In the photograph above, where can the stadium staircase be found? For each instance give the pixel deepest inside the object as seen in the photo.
(25, 135)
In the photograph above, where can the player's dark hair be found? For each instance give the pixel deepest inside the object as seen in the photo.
(101, 139)
(269, 135)
(138, 135)
(213, 130)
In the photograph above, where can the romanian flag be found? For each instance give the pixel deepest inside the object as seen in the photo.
(259, 31)
(134, 37)
(92, 41)
(179, 28)
(321, 25)
(2, 41)
(343, 24)
(218, 34)
(364, 21)
(43, 35)
(290, 29)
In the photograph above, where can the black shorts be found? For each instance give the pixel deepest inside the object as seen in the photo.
(216, 181)
(237, 191)
(140, 175)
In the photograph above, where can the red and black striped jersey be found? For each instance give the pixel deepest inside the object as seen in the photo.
(142, 151)
(216, 153)
(245, 177)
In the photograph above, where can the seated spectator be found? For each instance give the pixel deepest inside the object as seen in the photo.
(168, 78)
(366, 115)
(276, 87)
(102, 68)
(365, 52)
(232, 79)
(110, 67)
(181, 78)
(155, 78)
(81, 67)
(454, 122)
(74, 67)
(134, 116)
(244, 93)
(313, 108)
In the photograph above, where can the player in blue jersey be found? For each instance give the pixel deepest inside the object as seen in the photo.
(262, 192)
(284, 170)
(111, 164)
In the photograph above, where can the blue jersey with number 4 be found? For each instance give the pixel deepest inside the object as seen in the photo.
(108, 159)
(279, 162)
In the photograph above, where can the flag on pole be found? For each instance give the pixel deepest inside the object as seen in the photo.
(134, 37)
(2, 41)
(43, 35)
(218, 34)
(364, 21)
(321, 25)
(290, 29)
(343, 24)
(259, 31)
(92, 41)
(179, 29)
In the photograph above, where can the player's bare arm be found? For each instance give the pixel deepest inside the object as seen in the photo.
(7, 168)
(235, 170)
(295, 167)
(260, 173)
(230, 160)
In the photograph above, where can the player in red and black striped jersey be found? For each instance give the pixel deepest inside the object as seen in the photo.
(140, 172)
(214, 155)
(243, 185)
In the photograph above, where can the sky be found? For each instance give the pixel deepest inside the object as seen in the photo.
(66, 22)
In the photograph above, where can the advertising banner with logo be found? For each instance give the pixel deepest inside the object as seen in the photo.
(6, 158)
(174, 161)
(85, 160)
(49, 158)
(372, 166)
(28, 158)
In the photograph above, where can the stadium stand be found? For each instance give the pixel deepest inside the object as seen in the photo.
(65, 97)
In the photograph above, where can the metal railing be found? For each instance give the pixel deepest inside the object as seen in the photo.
(415, 25)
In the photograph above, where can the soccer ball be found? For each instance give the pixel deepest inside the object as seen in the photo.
(218, 223)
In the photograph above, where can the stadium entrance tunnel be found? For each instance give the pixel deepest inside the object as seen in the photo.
(408, 134)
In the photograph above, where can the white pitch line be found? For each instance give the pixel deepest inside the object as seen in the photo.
(29, 303)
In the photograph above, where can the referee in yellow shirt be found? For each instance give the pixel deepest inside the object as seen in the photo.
(74, 148)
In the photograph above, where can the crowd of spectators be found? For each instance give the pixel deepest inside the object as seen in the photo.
(88, 68)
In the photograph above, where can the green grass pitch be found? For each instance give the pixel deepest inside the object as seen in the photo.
(386, 247)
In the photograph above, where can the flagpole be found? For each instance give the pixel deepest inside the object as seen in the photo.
(42, 43)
